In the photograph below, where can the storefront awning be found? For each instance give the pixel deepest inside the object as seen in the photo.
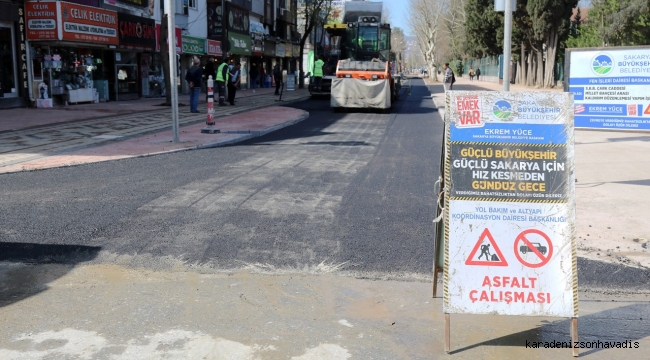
(193, 45)
(239, 44)
(71, 22)
(214, 48)
(136, 32)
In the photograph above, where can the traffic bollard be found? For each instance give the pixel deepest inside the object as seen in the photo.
(210, 121)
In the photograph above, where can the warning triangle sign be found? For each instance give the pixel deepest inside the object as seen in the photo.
(490, 254)
(647, 110)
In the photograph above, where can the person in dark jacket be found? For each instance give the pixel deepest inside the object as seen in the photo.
(478, 73)
(235, 80)
(193, 78)
(277, 76)
(254, 74)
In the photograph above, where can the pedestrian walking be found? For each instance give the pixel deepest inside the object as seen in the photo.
(235, 78)
(478, 73)
(254, 74)
(223, 75)
(277, 76)
(471, 74)
(449, 78)
(193, 78)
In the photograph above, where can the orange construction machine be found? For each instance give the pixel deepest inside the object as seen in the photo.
(364, 74)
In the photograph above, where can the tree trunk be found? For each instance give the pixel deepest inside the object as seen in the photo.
(539, 77)
(164, 58)
(521, 75)
(530, 77)
(551, 48)
(301, 73)
(309, 27)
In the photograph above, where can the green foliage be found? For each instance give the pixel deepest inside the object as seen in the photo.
(483, 29)
(586, 35)
(613, 23)
(550, 15)
(457, 67)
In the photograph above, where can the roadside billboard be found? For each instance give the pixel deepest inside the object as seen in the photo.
(611, 87)
(510, 219)
(88, 24)
(41, 20)
(72, 22)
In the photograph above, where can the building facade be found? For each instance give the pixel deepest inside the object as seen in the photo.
(73, 51)
(14, 86)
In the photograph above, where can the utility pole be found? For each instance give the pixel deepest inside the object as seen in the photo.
(507, 44)
(173, 67)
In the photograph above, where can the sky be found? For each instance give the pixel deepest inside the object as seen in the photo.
(398, 10)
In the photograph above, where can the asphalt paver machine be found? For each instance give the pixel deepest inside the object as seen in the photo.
(364, 74)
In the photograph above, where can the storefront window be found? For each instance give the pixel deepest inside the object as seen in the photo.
(154, 84)
(72, 67)
(7, 61)
(126, 73)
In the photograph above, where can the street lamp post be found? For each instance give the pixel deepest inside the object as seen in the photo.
(507, 44)
(171, 26)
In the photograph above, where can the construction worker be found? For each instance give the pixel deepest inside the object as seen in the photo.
(318, 72)
(223, 75)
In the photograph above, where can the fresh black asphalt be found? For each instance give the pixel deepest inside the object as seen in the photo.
(378, 217)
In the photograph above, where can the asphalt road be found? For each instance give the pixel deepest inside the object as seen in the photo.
(347, 191)
(352, 192)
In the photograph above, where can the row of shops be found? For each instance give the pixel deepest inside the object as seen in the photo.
(53, 52)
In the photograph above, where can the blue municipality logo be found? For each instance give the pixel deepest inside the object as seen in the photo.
(502, 109)
(602, 64)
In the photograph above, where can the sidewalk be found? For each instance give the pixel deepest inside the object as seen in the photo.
(32, 139)
(21, 118)
(612, 186)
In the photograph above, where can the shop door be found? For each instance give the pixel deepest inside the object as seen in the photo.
(127, 81)
(7, 61)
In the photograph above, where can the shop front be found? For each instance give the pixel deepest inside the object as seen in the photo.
(13, 82)
(71, 50)
(296, 57)
(268, 61)
(240, 51)
(214, 48)
(239, 39)
(279, 54)
(135, 59)
(193, 47)
(215, 19)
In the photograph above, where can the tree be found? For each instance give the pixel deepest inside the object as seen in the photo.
(483, 29)
(622, 22)
(584, 33)
(550, 24)
(398, 46)
(455, 19)
(314, 13)
(425, 18)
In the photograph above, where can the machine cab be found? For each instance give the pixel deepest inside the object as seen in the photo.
(368, 39)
